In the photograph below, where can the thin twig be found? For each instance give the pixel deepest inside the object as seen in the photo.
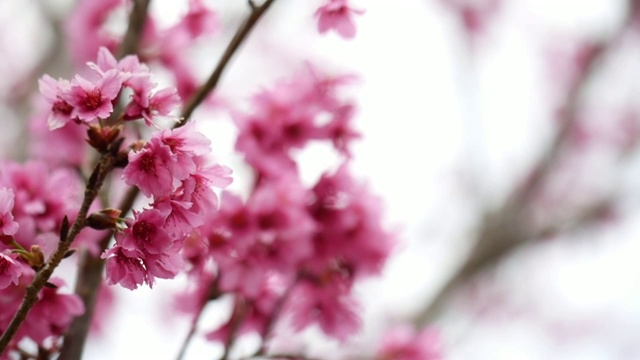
(237, 317)
(273, 318)
(236, 41)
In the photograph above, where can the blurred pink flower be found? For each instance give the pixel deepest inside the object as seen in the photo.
(7, 225)
(404, 343)
(338, 15)
(10, 270)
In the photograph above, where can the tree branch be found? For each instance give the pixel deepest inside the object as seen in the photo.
(507, 228)
(137, 19)
(236, 41)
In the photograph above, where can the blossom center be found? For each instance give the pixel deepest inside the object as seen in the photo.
(93, 99)
(143, 230)
(148, 164)
(62, 106)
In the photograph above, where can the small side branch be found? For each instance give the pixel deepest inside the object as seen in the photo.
(240, 36)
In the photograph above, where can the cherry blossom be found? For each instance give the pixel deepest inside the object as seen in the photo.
(337, 15)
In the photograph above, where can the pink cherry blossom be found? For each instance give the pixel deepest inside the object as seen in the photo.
(54, 92)
(196, 189)
(10, 270)
(338, 15)
(7, 225)
(165, 265)
(291, 115)
(148, 169)
(125, 269)
(350, 226)
(180, 219)
(186, 145)
(93, 100)
(129, 67)
(85, 29)
(404, 343)
(42, 197)
(145, 234)
(199, 20)
(147, 105)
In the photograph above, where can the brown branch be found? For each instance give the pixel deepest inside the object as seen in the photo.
(273, 318)
(508, 228)
(102, 168)
(236, 41)
(137, 19)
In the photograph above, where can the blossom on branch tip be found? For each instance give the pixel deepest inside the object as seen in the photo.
(93, 100)
(338, 15)
(54, 91)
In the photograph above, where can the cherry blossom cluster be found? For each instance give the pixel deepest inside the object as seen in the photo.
(171, 168)
(289, 247)
(87, 100)
(37, 200)
(33, 202)
(88, 29)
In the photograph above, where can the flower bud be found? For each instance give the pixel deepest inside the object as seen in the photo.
(100, 137)
(103, 219)
(36, 259)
